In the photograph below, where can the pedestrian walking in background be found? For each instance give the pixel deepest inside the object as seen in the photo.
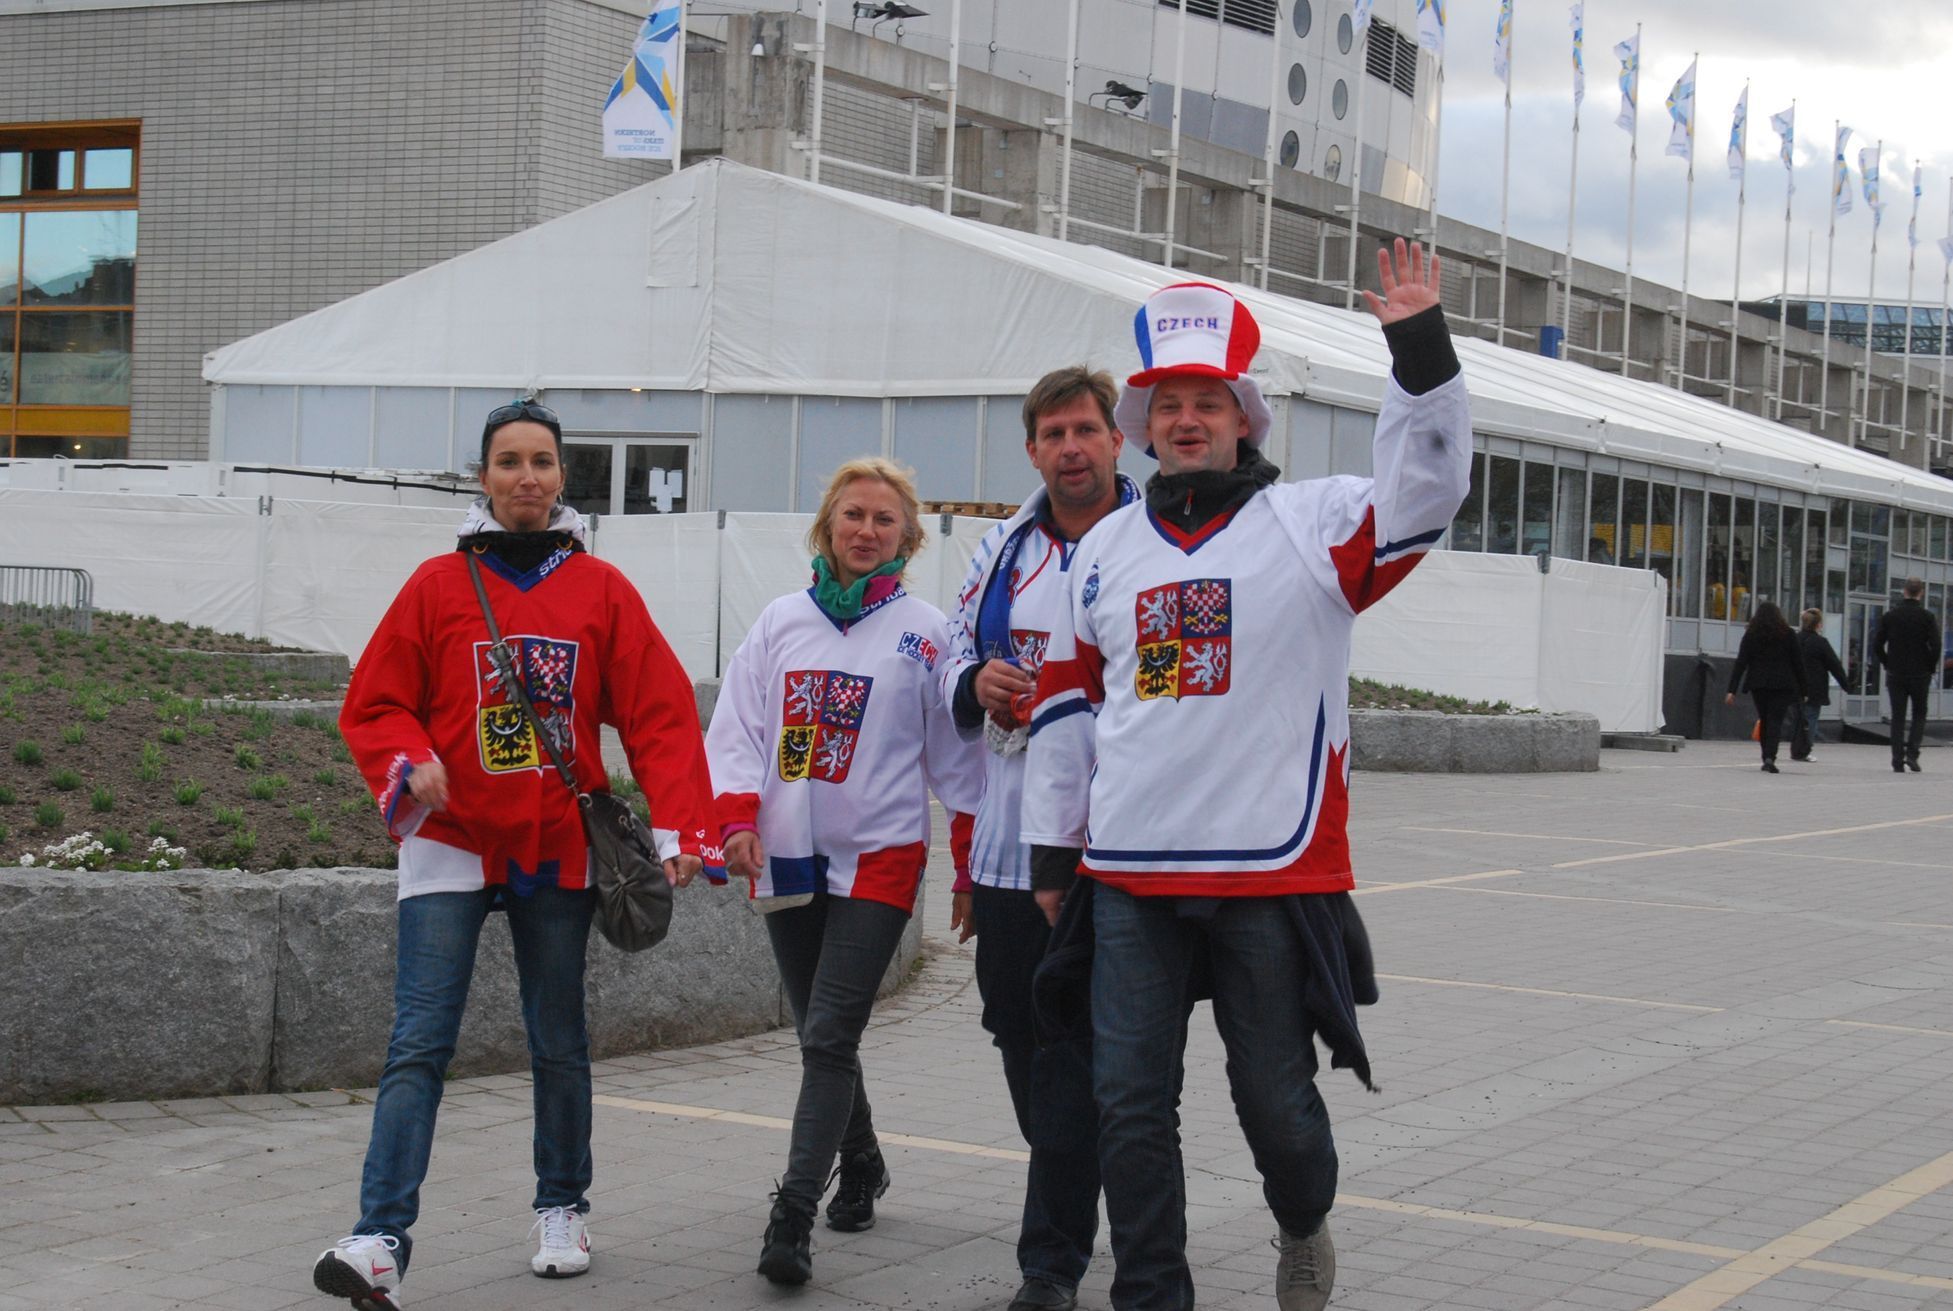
(485, 824)
(1016, 593)
(830, 732)
(1201, 686)
(1908, 648)
(1770, 666)
(1821, 665)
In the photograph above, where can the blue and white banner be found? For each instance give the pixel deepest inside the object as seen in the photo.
(1868, 167)
(1502, 44)
(1739, 137)
(1629, 53)
(1681, 113)
(1578, 17)
(1784, 124)
(1430, 25)
(1361, 13)
(641, 115)
(1840, 174)
(1912, 228)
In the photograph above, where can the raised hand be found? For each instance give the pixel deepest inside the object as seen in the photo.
(1410, 287)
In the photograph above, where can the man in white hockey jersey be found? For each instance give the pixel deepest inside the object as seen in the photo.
(1202, 685)
(1014, 595)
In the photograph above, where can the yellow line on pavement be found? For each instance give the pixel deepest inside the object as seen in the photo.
(1613, 901)
(1730, 843)
(946, 1145)
(1614, 1236)
(1543, 837)
(1436, 883)
(1891, 1028)
(1554, 992)
(1720, 1287)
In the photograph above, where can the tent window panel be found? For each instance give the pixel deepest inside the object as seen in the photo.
(1687, 593)
(1840, 523)
(1468, 525)
(1633, 549)
(936, 436)
(1814, 558)
(834, 430)
(1742, 561)
(1661, 534)
(752, 452)
(1569, 514)
(1766, 554)
(1502, 509)
(1603, 518)
(1791, 575)
(1900, 522)
(1921, 535)
(1715, 578)
(1536, 532)
(1938, 538)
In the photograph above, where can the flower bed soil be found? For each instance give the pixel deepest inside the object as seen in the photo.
(109, 733)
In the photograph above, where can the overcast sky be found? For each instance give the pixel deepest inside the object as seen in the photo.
(1884, 68)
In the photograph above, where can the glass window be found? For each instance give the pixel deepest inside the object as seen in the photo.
(655, 478)
(1715, 590)
(1834, 591)
(1766, 553)
(1634, 523)
(1603, 509)
(1291, 150)
(1840, 522)
(1814, 560)
(1939, 537)
(1304, 17)
(1570, 515)
(1536, 529)
(50, 170)
(72, 358)
(80, 257)
(1298, 84)
(1345, 33)
(1688, 550)
(1742, 561)
(1339, 98)
(7, 322)
(1881, 521)
(9, 172)
(1502, 513)
(1920, 531)
(9, 260)
(1791, 574)
(1661, 534)
(1332, 163)
(108, 170)
(1468, 526)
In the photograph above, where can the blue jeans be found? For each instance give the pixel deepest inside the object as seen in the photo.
(435, 960)
(1050, 1089)
(1142, 968)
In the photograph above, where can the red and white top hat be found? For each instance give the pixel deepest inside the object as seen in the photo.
(1193, 329)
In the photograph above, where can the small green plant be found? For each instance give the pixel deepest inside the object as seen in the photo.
(48, 815)
(260, 789)
(149, 767)
(173, 735)
(95, 712)
(230, 816)
(64, 780)
(623, 785)
(305, 719)
(162, 829)
(326, 778)
(247, 758)
(352, 806)
(188, 791)
(318, 832)
(115, 840)
(3, 832)
(6, 795)
(302, 813)
(101, 801)
(27, 752)
(203, 728)
(243, 843)
(74, 734)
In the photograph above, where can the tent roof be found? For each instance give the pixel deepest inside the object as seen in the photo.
(724, 278)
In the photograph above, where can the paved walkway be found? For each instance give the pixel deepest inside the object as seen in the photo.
(1674, 1036)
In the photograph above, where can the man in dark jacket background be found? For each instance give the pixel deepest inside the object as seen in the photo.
(1821, 665)
(1908, 648)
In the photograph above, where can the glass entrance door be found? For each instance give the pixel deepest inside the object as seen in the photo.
(1860, 632)
(627, 475)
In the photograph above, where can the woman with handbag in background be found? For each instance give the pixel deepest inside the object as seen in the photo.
(463, 772)
(1768, 663)
(829, 734)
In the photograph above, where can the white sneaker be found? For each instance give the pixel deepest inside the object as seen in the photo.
(364, 1268)
(565, 1247)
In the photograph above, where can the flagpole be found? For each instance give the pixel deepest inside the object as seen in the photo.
(1945, 304)
(1736, 296)
(1071, 114)
(955, 67)
(1173, 143)
(1830, 258)
(820, 94)
(1871, 300)
(684, 100)
(1634, 157)
(1688, 231)
(1783, 302)
(1356, 163)
(1810, 263)
(1572, 198)
(1437, 136)
(1912, 268)
(1267, 148)
(1505, 176)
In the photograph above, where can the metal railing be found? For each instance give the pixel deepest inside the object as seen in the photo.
(53, 595)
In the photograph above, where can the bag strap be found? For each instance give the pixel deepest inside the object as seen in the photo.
(499, 654)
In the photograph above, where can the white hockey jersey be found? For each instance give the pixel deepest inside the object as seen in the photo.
(1038, 602)
(829, 738)
(1203, 681)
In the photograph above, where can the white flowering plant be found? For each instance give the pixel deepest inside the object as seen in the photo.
(86, 851)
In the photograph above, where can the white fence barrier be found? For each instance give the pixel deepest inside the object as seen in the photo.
(320, 574)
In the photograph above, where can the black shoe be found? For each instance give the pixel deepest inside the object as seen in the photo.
(1770, 767)
(1898, 768)
(1913, 765)
(1042, 1295)
(864, 1177)
(785, 1253)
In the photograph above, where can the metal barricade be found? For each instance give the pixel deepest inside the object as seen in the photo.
(52, 595)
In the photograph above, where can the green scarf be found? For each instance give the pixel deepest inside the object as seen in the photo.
(845, 602)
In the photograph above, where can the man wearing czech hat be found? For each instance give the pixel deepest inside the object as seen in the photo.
(1202, 686)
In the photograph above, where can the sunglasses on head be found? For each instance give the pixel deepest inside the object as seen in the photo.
(531, 410)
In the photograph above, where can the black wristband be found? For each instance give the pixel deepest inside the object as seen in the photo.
(1421, 355)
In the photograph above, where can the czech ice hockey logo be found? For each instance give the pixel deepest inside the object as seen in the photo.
(1091, 592)
(918, 648)
(1185, 639)
(1028, 645)
(547, 668)
(820, 723)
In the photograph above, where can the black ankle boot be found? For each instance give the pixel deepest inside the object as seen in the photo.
(785, 1253)
(864, 1177)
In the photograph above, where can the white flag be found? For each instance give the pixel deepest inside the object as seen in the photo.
(1361, 13)
(1681, 112)
(1912, 228)
(1430, 25)
(1840, 175)
(1784, 124)
(1579, 16)
(1629, 53)
(1502, 44)
(1868, 167)
(1739, 136)
(641, 115)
